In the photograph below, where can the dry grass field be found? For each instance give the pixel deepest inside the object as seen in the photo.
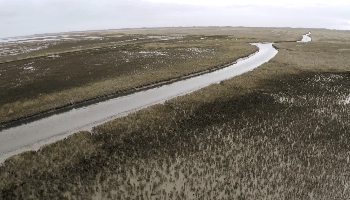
(278, 132)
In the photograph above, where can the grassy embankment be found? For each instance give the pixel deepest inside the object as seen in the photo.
(280, 131)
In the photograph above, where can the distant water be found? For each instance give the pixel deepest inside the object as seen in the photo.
(306, 38)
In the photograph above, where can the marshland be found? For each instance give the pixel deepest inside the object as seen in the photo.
(80, 69)
(279, 131)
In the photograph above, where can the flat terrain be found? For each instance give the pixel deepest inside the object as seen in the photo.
(34, 85)
(45, 72)
(278, 132)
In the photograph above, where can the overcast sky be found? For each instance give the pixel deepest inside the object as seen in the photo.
(27, 17)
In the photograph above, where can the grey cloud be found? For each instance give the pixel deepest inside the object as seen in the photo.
(23, 17)
(344, 23)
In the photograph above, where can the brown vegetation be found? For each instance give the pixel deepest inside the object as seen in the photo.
(278, 132)
(44, 75)
(39, 84)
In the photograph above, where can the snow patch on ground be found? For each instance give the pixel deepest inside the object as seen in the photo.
(53, 56)
(279, 98)
(94, 38)
(129, 40)
(199, 50)
(29, 68)
(327, 79)
(161, 37)
(21, 50)
(157, 53)
(345, 101)
(26, 38)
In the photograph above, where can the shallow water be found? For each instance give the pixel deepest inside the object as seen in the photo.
(306, 38)
(34, 134)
